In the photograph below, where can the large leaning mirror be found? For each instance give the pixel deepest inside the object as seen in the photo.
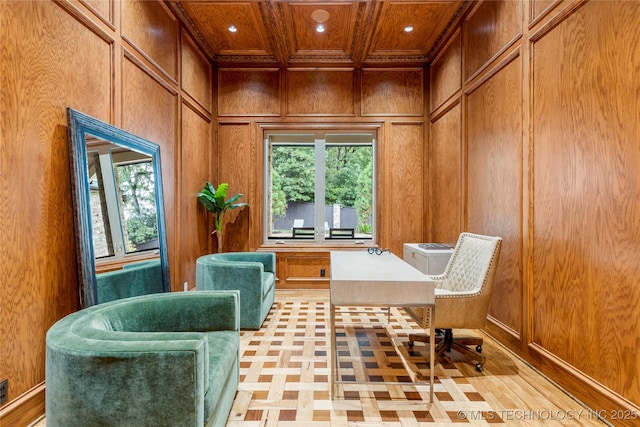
(119, 212)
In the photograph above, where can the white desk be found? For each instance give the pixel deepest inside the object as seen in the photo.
(368, 280)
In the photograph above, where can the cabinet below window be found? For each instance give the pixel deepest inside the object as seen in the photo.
(303, 270)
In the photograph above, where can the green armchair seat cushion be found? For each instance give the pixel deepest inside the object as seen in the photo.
(251, 273)
(168, 359)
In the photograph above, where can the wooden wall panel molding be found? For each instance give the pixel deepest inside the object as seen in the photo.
(195, 72)
(238, 166)
(504, 332)
(494, 160)
(194, 225)
(102, 9)
(538, 9)
(445, 171)
(87, 17)
(613, 407)
(153, 32)
(133, 58)
(26, 408)
(392, 92)
(150, 110)
(41, 76)
(320, 92)
(589, 179)
(490, 30)
(554, 20)
(446, 73)
(405, 185)
(249, 92)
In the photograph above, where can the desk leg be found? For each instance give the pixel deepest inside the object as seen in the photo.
(432, 348)
(333, 350)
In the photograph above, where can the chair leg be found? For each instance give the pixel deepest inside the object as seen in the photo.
(461, 344)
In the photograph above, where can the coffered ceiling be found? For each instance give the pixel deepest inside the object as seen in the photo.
(287, 33)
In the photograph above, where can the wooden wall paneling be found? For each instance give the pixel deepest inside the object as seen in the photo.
(539, 8)
(236, 166)
(39, 78)
(194, 227)
(489, 31)
(445, 176)
(103, 9)
(195, 73)
(586, 211)
(153, 32)
(150, 110)
(41, 121)
(320, 92)
(248, 92)
(405, 189)
(494, 180)
(446, 73)
(91, 17)
(392, 92)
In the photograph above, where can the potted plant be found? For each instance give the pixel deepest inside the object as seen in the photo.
(216, 202)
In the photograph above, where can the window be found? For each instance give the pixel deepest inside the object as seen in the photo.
(319, 186)
(122, 198)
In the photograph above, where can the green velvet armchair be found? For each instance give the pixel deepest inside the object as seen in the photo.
(168, 359)
(252, 273)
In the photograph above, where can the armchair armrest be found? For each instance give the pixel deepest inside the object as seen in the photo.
(129, 380)
(177, 312)
(246, 277)
(267, 259)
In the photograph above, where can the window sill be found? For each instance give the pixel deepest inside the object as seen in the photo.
(297, 246)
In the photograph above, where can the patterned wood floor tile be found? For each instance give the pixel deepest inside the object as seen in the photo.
(285, 374)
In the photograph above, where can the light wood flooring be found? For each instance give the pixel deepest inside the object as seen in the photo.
(285, 375)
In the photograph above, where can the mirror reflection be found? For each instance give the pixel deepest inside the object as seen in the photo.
(120, 229)
(122, 199)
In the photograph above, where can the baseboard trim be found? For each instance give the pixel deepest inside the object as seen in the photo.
(605, 402)
(25, 409)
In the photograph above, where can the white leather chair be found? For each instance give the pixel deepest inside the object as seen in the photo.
(462, 296)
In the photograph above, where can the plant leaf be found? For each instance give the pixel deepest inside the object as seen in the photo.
(238, 205)
(233, 199)
(220, 195)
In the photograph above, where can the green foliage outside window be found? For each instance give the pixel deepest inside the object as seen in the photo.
(136, 189)
(348, 178)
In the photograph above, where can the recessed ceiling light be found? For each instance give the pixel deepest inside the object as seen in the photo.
(408, 29)
(232, 28)
(320, 28)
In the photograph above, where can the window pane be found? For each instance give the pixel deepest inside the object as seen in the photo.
(101, 226)
(292, 191)
(136, 193)
(348, 190)
(320, 182)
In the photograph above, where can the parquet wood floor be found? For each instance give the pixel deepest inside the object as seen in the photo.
(285, 375)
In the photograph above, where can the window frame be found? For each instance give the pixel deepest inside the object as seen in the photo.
(319, 145)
